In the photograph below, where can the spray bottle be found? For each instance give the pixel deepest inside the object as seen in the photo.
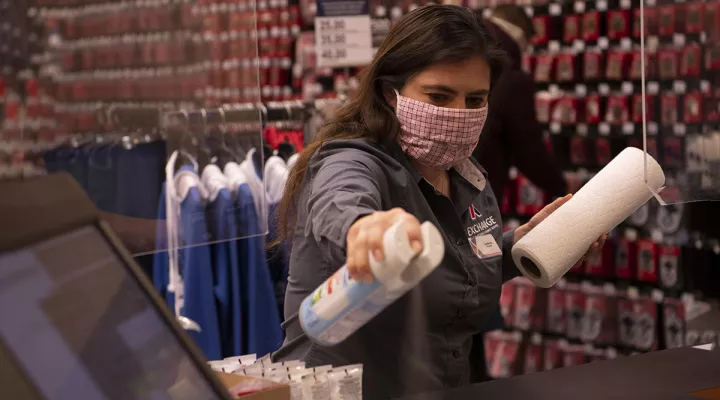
(341, 305)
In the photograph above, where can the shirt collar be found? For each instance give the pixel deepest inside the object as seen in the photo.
(469, 169)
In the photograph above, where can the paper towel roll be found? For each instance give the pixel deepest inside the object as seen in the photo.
(548, 251)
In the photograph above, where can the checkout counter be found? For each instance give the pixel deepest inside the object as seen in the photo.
(679, 374)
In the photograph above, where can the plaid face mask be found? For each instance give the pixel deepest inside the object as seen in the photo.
(438, 137)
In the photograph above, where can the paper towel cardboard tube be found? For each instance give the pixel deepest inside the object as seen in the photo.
(555, 245)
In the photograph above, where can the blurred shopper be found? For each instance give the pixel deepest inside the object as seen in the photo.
(512, 134)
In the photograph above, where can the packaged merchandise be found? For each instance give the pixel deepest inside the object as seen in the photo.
(579, 151)
(591, 26)
(673, 155)
(593, 65)
(669, 109)
(572, 29)
(646, 324)
(506, 355)
(341, 305)
(530, 199)
(573, 354)
(593, 109)
(647, 261)
(316, 386)
(694, 17)
(667, 19)
(507, 302)
(670, 271)
(575, 308)
(544, 67)
(553, 351)
(542, 30)
(626, 322)
(625, 258)
(533, 361)
(690, 60)
(603, 154)
(668, 64)
(529, 309)
(346, 383)
(556, 316)
(617, 109)
(711, 20)
(600, 319)
(673, 323)
(566, 67)
(692, 107)
(617, 63)
(618, 24)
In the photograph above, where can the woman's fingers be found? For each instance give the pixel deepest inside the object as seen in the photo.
(412, 226)
(365, 237)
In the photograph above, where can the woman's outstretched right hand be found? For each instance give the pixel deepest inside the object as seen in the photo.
(366, 235)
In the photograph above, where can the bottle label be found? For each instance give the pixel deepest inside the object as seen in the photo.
(341, 305)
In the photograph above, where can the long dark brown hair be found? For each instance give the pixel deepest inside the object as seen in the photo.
(429, 35)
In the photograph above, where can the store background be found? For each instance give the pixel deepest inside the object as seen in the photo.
(87, 87)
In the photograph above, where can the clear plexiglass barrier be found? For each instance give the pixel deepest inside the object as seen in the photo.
(681, 88)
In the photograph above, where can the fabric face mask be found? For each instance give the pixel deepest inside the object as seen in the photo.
(438, 137)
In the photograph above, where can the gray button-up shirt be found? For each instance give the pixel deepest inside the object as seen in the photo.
(423, 341)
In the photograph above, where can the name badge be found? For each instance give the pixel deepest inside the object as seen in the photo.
(485, 246)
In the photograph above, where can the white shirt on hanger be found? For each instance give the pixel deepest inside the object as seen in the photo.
(274, 179)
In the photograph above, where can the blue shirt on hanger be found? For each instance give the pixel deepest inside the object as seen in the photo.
(264, 334)
(227, 273)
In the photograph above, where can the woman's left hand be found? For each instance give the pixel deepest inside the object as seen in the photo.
(544, 213)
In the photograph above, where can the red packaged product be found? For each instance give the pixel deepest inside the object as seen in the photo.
(544, 103)
(533, 356)
(692, 107)
(669, 109)
(666, 19)
(507, 301)
(492, 344)
(603, 156)
(618, 22)
(553, 354)
(528, 312)
(651, 21)
(578, 151)
(574, 355)
(591, 30)
(593, 109)
(544, 68)
(670, 268)
(556, 319)
(693, 17)
(635, 71)
(542, 30)
(566, 67)
(646, 324)
(674, 323)
(530, 198)
(528, 64)
(506, 356)
(592, 65)
(712, 56)
(711, 18)
(575, 308)
(567, 111)
(617, 63)
(572, 29)
(626, 322)
(637, 108)
(647, 261)
(690, 63)
(617, 110)
(625, 258)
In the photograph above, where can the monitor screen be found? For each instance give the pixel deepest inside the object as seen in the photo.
(81, 326)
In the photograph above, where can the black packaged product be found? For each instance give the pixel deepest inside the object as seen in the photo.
(673, 323)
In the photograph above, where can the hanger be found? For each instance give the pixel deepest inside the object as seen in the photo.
(221, 153)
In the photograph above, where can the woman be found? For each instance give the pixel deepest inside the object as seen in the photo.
(401, 151)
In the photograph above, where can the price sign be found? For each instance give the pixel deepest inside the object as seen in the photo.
(343, 34)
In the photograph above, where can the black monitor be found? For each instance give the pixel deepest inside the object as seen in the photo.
(78, 320)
